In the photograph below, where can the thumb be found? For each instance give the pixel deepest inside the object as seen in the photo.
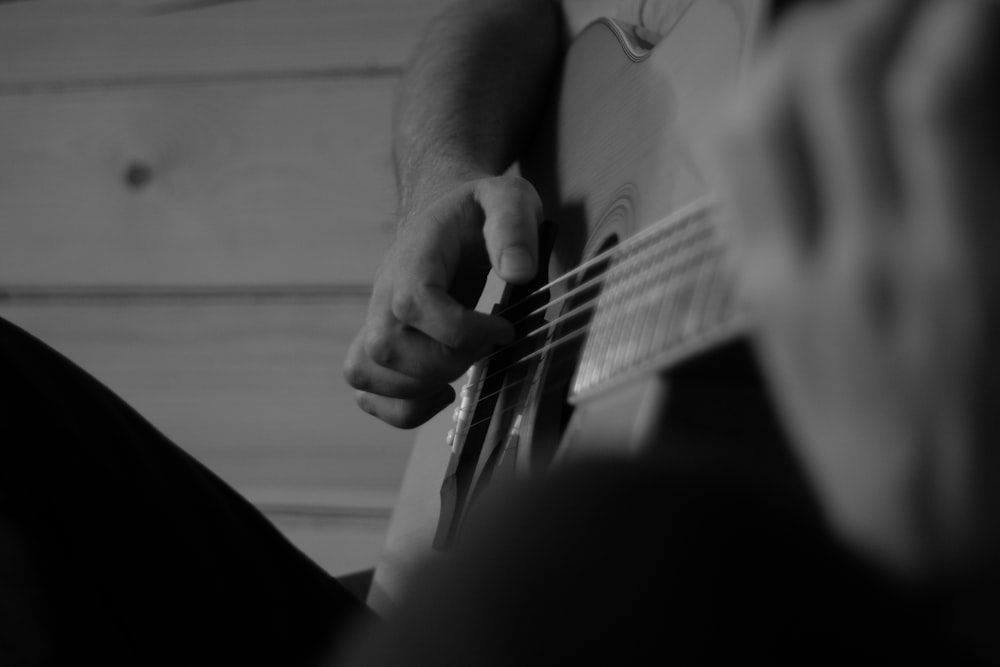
(512, 212)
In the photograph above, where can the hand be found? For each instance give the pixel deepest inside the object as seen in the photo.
(861, 170)
(421, 332)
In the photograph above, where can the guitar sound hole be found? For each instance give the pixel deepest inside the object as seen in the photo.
(554, 410)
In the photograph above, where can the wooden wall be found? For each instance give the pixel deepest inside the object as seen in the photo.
(194, 195)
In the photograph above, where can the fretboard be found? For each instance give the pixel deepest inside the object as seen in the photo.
(666, 296)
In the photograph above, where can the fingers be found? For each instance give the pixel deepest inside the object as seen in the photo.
(402, 400)
(839, 79)
(408, 413)
(764, 175)
(942, 98)
(421, 301)
(807, 159)
(405, 350)
(943, 102)
(809, 141)
(883, 113)
(513, 212)
(399, 399)
(362, 373)
(421, 332)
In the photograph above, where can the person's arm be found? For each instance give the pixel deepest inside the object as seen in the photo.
(861, 169)
(471, 93)
(466, 105)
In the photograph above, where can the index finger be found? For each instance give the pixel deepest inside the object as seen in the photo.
(430, 309)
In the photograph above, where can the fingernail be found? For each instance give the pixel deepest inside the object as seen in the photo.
(517, 262)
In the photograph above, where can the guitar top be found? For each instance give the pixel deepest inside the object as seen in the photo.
(636, 280)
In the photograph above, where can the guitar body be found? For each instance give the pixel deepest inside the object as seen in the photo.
(624, 151)
(620, 156)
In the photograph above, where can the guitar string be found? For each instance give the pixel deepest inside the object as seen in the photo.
(674, 255)
(608, 255)
(666, 225)
(621, 267)
(573, 335)
(696, 258)
(520, 404)
(683, 216)
(721, 321)
(552, 345)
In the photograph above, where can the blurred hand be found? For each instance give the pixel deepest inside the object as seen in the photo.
(421, 332)
(861, 166)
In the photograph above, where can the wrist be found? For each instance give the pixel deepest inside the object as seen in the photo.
(437, 179)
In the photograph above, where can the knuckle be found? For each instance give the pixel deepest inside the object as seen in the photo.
(380, 346)
(407, 419)
(354, 374)
(406, 306)
(512, 183)
(405, 414)
(354, 364)
(515, 188)
(454, 337)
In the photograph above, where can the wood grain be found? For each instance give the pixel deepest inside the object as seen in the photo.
(197, 185)
(193, 197)
(46, 42)
(253, 390)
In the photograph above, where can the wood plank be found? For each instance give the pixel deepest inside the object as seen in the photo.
(80, 40)
(269, 183)
(253, 390)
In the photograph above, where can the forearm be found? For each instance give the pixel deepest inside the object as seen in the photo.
(471, 94)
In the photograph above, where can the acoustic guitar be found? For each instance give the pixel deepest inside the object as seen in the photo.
(636, 285)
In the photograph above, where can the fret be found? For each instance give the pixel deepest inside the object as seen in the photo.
(667, 274)
(652, 313)
(665, 293)
(625, 321)
(667, 314)
(644, 298)
(686, 301)
(704, 280)
(606, 312)
(619, 362)
(715, 302)
(596, 344)
(611, 315)
(682, 299)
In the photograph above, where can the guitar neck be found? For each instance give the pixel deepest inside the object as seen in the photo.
(665, 296)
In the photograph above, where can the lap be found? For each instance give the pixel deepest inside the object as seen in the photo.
(133, 550)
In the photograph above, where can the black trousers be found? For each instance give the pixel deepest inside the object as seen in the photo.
(116, 547)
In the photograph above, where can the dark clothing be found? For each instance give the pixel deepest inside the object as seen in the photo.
(617, 564)
(117, 548)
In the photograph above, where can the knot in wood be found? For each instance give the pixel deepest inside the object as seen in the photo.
(138, 175)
